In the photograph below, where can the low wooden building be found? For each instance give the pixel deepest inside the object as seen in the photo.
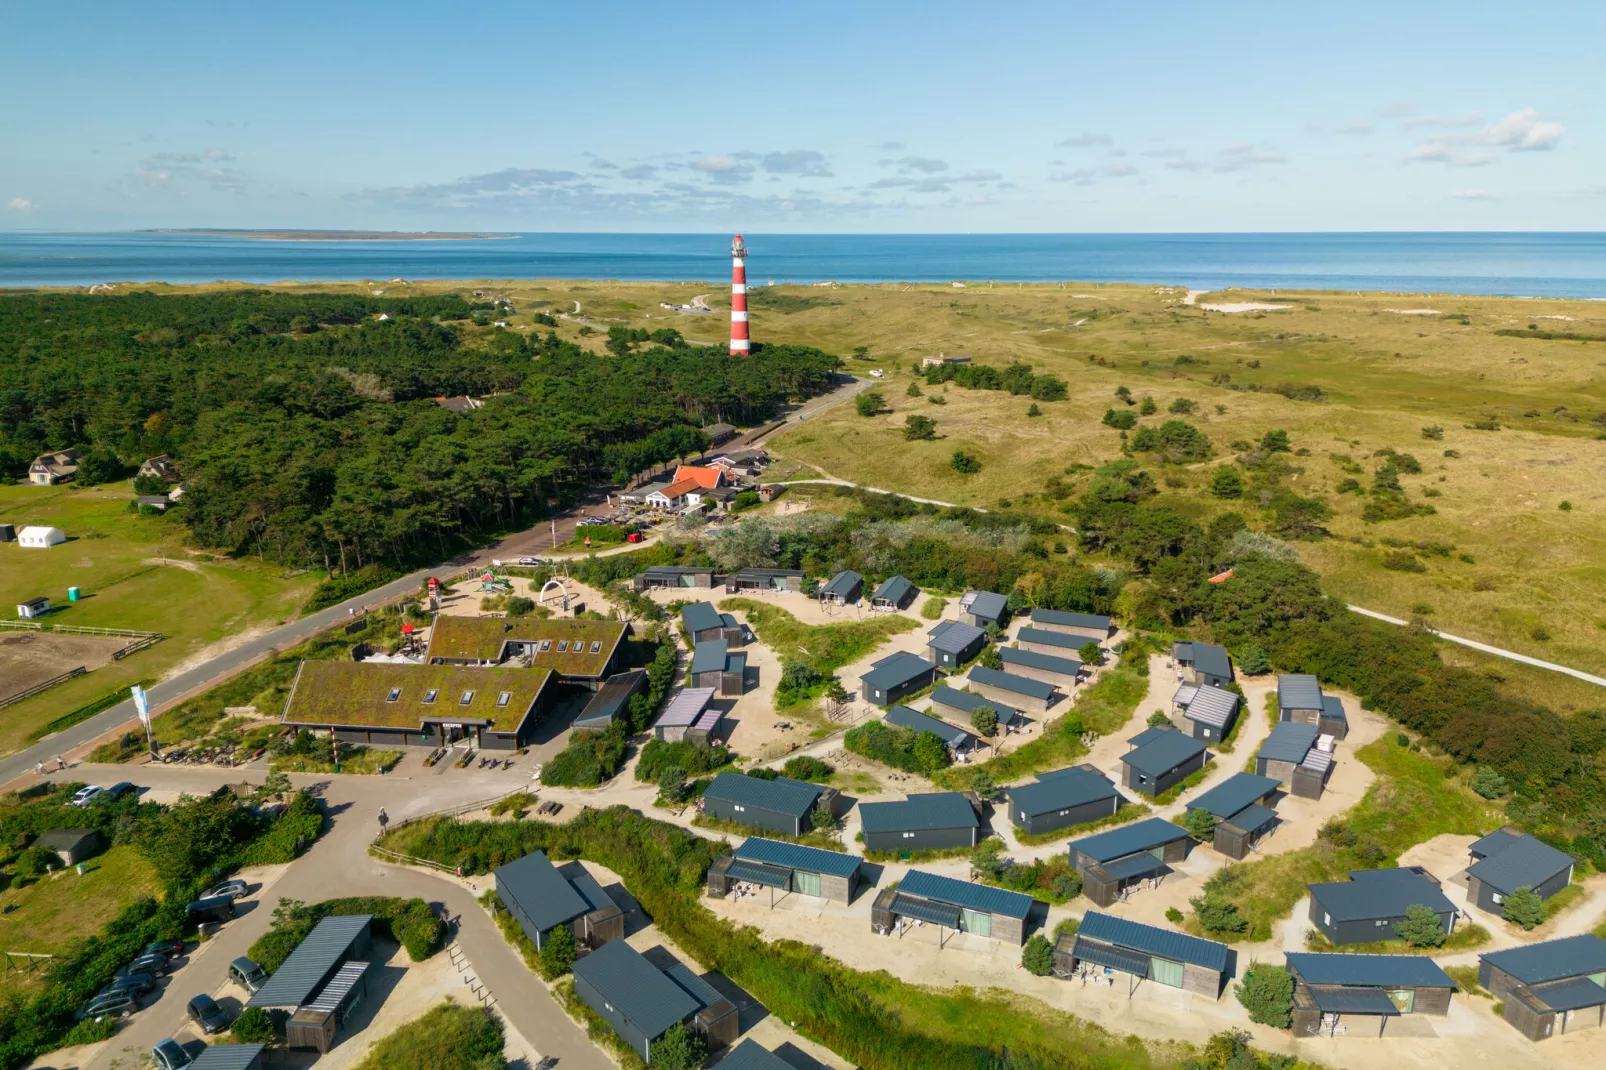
(952, 643)
(690, 714)
(1083, 626)
(715, 665)
(1160, 759)
(1062, 799)
(765, 580)
(844, 588)
(1241, 806)
(1549, 988)
(612, 701)
(1043, 641)
(1329, 988)
(981, 608)
(1020, 691)
(1202, 663)
(953, 906)
(541, 897)
(937, 820)
(72, 846)
(959, 741)
(960, 705)
(643, 1002)
(781, 805)
(786, 868)
(1368, 906)
(704, 624)
(1300, 701)
(1114, 862)
(894, 676)
(1208, 710)
(1506, 860)
(1290, 754)
(654, 577)
(1107, 944)
(1063, 673)
(894, 593)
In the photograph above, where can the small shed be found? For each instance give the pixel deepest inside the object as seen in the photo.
(229, 1057)
(1209, 710)
(1020, 691)
(158, 502)
(333, 942)
(1062, 799)
(1368, 906)
(1290, 755)
(1064, 673)
(1330, 987)
(72, 846)
(894, 676)
(937, 820)
(688, 715)
(1108, 944)
(773, 580)
(33, 608)
(981, 608)
(315, 1024)
(1113, 863)
(1506, 860)
(1203, 663)
(844, 588)
(541, 897)
(749, 1056)
(611, 701)
(1082, 626)
(704, 623)
(659, 576)
(714, 665)
(1240, 805)
(952, 906)
(640, 1001)
(961, 704)
(1550, 987)
(1300, 701)
(959, 741)
(1160, 759)
(1043, 641)
(953, 642)
(781, 805)
(35, 537)
(786, 867)
(894, 593)
(8, 533)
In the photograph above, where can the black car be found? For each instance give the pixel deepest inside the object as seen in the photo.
(116, 791)
(152, 964)
(204, 1012)
(211, 910)
(138, 983)
(170, 949)
(119, 1004)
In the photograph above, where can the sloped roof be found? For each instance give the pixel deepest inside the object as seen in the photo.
(1299, 691)
(542, 894)
(987, 604)
(1499, 838)
(1381, 971)
(1164, 753)
(709, 656)
(967, 701)
(897, 669)
(1552, 960)
(642, 993)
(1234, 793)
(1149, 735)
(1288, 741)
(293, 983)
(1008, 681)
(66, 839)
(484, 639)
(954, 636)
(797, 856)
(1253, 818)
(1213, 706)
(1061, 791)
(783, 795)
(1333, 706)
(952, 735)
(702, 616)
(1525, 862)
(1048, 638)
(1010, 655)
(1210, 659)
(1125, 840)
(930, 810)
(980, 897)
(612, 698)
(1070, 620)
(358, 693)
(1379, 893)
(893, 589)
(1573, 994)
(843, 583)
(749, 1056)
(1153, 940)
(684, 707)
(227, 1057)
(707, 478)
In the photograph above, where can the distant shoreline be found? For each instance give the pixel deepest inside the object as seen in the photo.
(334, 235)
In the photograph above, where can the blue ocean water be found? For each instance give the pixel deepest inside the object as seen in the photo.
(1519, 264)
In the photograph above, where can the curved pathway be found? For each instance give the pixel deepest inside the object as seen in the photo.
(1487, 649)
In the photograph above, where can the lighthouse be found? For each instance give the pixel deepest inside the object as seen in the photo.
(739, 341)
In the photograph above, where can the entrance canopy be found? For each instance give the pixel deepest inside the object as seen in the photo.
(758, 873)
(1112, 957)
(1342, 1000)
(1573, 994)
(1139, 865)
(925, 910)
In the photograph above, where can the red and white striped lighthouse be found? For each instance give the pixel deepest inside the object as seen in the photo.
(739, 342)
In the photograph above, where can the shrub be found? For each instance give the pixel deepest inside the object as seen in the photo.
(964, 463)
(913, 391)
(869, 403)
(1267, 993)
(254, 1026)
(933, 608)
(1090, 653)
(1148, 407)
(1158, 719)
(1200, 823)
(1421, 927)
(1402, 561)
(918, 428)
(519, 606)
(805, 767)
(558, 951)
(1173, 915)
(679, 1049)
(898, 747)
(672, 783)
(1034, 410)
(1124, 420)
(1523, 907)
(1217, 914)
(36, 861)
(1038, 956)
(1565, 506)
(1252, 661)
(1488, 782)
(1067, 885)
(1275, 442)
(1182, 407)
(1226, 483)
(984, 719)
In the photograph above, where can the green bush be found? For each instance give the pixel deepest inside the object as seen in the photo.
(558, 951)
(254, 1026)
(1524, 907)
(964, 463)
(679, 1049)
(804, 767)
(449, 1037)
(691, 757)
(1267, 993)
(898, 747)
(1038, 956)
(589, 759)
(1421, 927)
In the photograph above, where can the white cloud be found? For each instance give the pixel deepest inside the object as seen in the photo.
(639, 172)
(716, 164)
(1084, 140)
(979, 176)
(1120, 170)
(1357, 126)
(805, 163)
(1524, 131)
(1087, 176)
(1452, 153)
(1397, 109)
(20, 204)
(1186, 165)
(1165, 153)
(1472, 195)
(912, 184)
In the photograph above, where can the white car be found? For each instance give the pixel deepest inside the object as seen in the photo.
(86, 795)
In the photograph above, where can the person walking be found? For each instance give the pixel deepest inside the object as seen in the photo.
(61, 763)
(40, 768)
(384, 819)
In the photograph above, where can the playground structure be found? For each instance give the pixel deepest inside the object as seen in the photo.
(491, 583)
(562, 592)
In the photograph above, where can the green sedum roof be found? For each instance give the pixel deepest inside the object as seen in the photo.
(486, 639)
(355, 694)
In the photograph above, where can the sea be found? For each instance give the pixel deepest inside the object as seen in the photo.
(1511, 264)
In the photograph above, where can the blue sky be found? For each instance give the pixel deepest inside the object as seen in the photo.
(827, 117)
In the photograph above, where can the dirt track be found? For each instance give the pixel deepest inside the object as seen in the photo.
(30, 658)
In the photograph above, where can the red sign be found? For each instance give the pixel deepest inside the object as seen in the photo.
(407, 629)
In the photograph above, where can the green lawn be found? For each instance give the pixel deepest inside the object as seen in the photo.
(827, 647)
(449, 1037)
(195, 603)
(51, 913)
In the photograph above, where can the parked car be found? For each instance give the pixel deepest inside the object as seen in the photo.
(116, 1004)
(204, 1012)
(247, 974)
(117, 791)
(136, 983)
(221, 909)
(531, 561)
(151, 964)
(169, 1055)
(172, 949)
(86, 795)
(232, 889)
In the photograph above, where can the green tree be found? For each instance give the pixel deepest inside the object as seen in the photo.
(917, 428)
(672, 784)
(679, 1049)
(931, 753)
(1267, 993)
(1217, 914)
(869, 403)
(835, 692)
(1148, 407)
(1038, 956)
(1421, 927)
(990, 657)
(1523, 907)
(1275, 442)
(1159, 719)
(984, 719)
(914, 389)
(1124, 394)
(558, 950)
(1226, 483)
(1034, 410)
(1182, 407)
(1488, 782)
(276, 784)
(254, 1026)
(1122, 420)
(1067, 885)
(982, 783)
(1200, 823)
(820, 818)
(1090, 653)
(964, 462)
(987, 857)
(1252, 661)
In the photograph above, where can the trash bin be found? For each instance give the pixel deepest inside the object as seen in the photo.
(72, 594)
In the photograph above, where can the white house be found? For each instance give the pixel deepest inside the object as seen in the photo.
(38, 538)
(34, 607)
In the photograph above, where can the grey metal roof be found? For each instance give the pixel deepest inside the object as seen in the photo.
(1381, 971)
(539, 892)
(1552, 960)
(1164, 754)
(736, 661)
(694, 986)
(612, 698)
(1341, 999)
(1008, 681)
(1497, 839)
(66, 839)
(1070, 620)
(1573, 994)
(1184, 694)
(1253, 818)
(1299, 691)
(908, 906)
(638, 990)
(1213, 706)
(893, 589)
(1071, 787)
(843, 583)
(1333, 707)
(1210, 659)
(897, 669)
(1149, 735)
(709, 656)
(1010, 655)
(965, 700)
(782, 795)
(758, 873)
(1379, 893)
(988, 605)
(324, 947)
(931, 810)
(1288, 742)
(1234, 794)
(673, 570)
(953, 735)
(227, 1057)
(339, 987)
(685, 707)
(1125, 840)
(1142, 864)
(701, 616)
(1152, 940)
(797, 856)
(980, 897)
(1113, 957)
(954, 636)
(767, 573)
(749, 1056)
(586, 885)
(1048, 638)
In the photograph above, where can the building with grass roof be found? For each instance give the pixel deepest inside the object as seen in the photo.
(579, 652)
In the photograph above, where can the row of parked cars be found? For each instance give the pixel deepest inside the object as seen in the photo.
(94, 793)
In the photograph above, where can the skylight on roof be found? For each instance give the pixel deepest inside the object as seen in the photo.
(395, 693)
(504, 698)
(429, 696)
(546, 644)
(468, 696)
(596, 646)
(563, 644)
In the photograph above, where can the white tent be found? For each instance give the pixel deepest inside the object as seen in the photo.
(39, 538)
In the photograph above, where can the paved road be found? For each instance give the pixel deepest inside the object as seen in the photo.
(338, 865)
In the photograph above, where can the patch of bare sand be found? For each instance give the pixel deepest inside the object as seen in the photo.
(222, 646)
(1414, 311)
(188, 566)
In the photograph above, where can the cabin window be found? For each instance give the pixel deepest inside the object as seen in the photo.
(395, 693)
(596, 646)
(563, 645)
(504, 698)
(546, 644)
(739, 809)
(429, 696)
(1498, 898)
(908, 835)
(1380, 922)
(1327, 919)
(468, 696)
